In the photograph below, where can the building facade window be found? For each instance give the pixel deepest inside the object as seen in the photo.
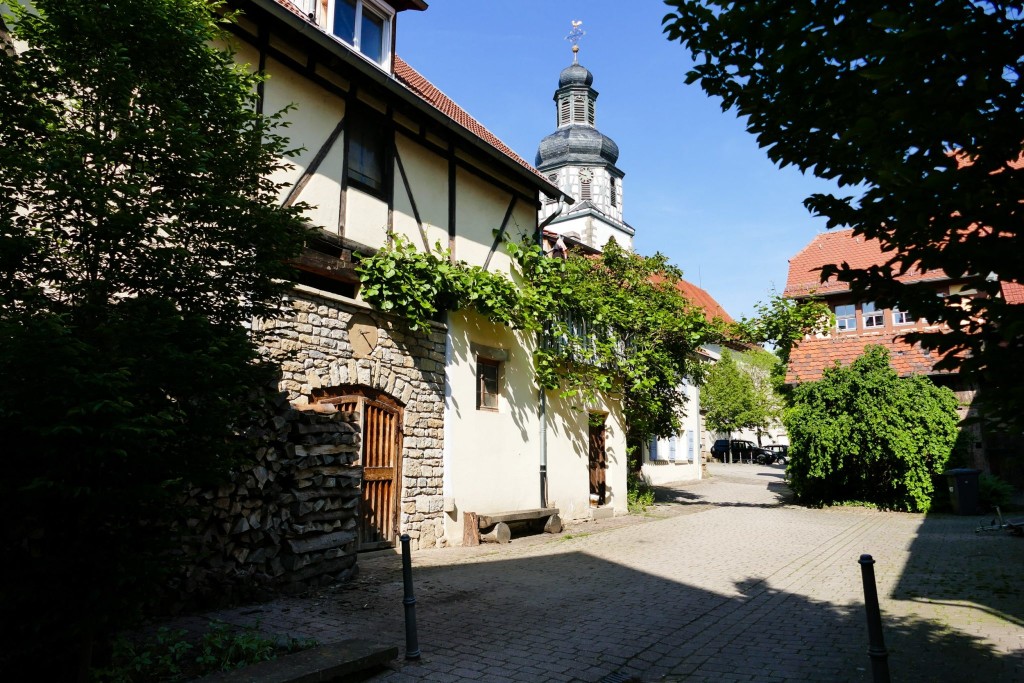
(846, 317)
(579, 105)
(366, 26)
(488, 383)
(872, 315)
(615, 191)
(585, 193)
(652, 449)
(901, 317)
(367, 149)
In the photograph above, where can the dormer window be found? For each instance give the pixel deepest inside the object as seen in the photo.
(366, 26)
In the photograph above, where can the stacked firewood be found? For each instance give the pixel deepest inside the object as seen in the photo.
(286, 523)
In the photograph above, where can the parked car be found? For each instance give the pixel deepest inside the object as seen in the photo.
(738, 450)
(780, 451)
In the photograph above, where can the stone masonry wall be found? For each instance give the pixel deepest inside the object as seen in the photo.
(311, 341)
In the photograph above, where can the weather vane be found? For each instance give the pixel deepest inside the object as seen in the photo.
(574, 37)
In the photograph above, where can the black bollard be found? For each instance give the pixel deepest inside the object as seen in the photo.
(876, 643)
(412, 646)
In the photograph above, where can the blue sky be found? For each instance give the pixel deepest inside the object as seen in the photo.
(697, 187)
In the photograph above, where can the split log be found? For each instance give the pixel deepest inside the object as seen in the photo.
(470, 532)
(553, 525)
(499, 534)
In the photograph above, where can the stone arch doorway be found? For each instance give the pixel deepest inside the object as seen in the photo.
(380, 455)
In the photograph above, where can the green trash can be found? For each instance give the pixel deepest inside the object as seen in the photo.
(963, 490)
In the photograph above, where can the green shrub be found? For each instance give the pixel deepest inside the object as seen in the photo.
(639, 493)
(994, 491)
(861, 433)
(170, 655)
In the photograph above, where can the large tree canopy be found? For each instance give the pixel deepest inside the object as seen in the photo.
(139, 234)
(915, 106)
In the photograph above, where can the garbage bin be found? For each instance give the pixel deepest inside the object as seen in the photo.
(963, 490)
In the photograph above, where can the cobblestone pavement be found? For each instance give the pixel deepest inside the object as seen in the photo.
(722, 581)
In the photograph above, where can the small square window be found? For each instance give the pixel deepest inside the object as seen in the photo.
(846, 317)
(488, 377)
(872, 315)
(901, 317)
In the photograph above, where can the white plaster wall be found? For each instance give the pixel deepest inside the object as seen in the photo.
(493, 457)
(428, 180)
(316, 114)
(568, 436)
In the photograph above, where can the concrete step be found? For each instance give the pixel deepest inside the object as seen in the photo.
(325, 663)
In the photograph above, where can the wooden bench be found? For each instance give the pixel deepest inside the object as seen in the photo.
(493, 527)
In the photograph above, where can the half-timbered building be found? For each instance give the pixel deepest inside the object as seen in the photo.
(451, 419)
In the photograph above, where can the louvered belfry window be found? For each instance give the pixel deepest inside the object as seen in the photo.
(579, 105)
(585, 189)
(563, 112)
(590, 112)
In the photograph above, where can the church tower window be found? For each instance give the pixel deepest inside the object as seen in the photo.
(563, 112)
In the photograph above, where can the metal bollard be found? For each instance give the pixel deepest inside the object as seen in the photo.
(412, 646)
(876, 643)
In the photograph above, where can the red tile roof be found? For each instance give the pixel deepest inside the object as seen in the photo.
(430, 94)
(811, 356)
(1013, 292)
(837, 247)
(703, 300)
(698, 298)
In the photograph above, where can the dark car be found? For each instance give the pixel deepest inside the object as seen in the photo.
(781, 452)
(739, 450)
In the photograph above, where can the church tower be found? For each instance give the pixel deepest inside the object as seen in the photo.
(580, 160)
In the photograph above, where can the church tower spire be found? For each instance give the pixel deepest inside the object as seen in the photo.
(580, 160)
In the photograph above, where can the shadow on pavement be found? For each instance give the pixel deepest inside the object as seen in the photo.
(981, 573)
(572, 616)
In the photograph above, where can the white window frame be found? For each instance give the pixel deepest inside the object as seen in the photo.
(377, 8)
(901, 317)
(873, 316)
(846, 323)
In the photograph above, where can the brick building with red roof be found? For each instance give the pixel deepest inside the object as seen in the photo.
(857, 324)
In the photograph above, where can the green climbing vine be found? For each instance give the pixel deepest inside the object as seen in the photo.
(613, 322)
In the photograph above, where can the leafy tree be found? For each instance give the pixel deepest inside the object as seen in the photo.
(783, 323)
(140, 233)
(766, 410)
(728, 397)
(617, 319)
(914, 106)
(861, 433)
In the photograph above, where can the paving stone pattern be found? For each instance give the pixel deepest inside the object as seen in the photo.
(723, 581)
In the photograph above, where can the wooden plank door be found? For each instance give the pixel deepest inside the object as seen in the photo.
(598, 459)
(380, 454)
(382, 475)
